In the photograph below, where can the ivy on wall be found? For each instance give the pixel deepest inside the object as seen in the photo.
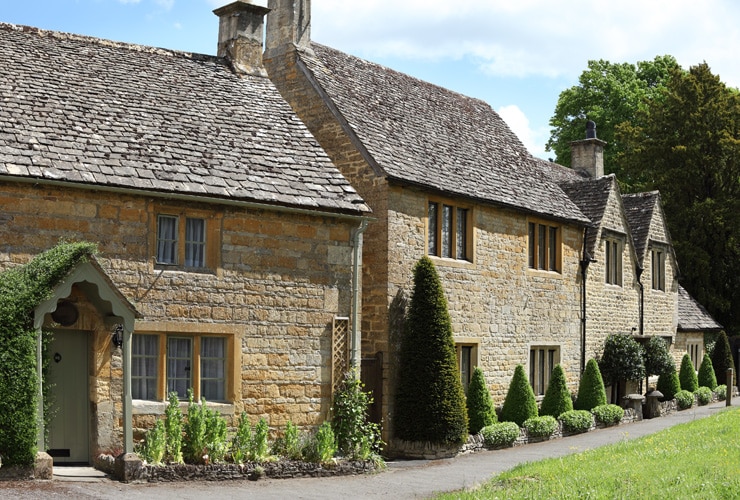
(21, 290)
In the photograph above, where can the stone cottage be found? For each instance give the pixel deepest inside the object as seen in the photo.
(229, 243)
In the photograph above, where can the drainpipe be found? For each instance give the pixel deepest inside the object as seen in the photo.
(642, 300)
(584, 272)
(356, 347)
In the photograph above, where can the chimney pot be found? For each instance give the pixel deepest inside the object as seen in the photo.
(240, 36)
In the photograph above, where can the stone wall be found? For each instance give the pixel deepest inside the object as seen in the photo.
(275, 282)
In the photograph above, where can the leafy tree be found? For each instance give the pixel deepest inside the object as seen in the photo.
(687, 375)
(430, 402)
(621, 360)
(557, 397)
(520, 403)
(609, 94)
(591, 391)
(657, 358)
(706, 376)
(480, 407)
(686, 144)
(722, 358)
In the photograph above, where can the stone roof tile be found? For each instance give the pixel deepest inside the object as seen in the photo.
(692, 316)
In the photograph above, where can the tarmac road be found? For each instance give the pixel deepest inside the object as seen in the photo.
(402, 479)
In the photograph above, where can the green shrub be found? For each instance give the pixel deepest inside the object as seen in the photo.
(205, 434)
(684, 399)
(576, 421)
(706, 376)
(687, 375)
(321, 446)
(721, 392)
(356, 437)
(259, 447)
(591, 391)
(722, 357)
(500, 434)
(668, 384)
(656, 358)
(520, 403)
(621, 360)
(557, 398)
(479, 405)
(541, 426)
(241, 443)
(430, 403)
(608, 414)
(289, 445)
(703, 396)
(173, 430)
(21, 290)
(155, 444)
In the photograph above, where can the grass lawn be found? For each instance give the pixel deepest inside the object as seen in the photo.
(700, 459)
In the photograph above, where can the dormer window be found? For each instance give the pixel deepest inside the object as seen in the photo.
(613, 258)
(658, 268)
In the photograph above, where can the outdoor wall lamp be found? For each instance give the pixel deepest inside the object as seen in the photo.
(117, 336)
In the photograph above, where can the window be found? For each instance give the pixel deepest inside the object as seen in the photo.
(658, 266)
(449, 234)
(544, 247)
(542, 360)
(613, 258)
(187, 361)
(467, 356)
(694, 350)
(170, 234)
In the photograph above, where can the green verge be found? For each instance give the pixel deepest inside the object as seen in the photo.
(693, 460)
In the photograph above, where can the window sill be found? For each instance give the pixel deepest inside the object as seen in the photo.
(183, 269)
(448, 262)
(146, 407)
(544, 274)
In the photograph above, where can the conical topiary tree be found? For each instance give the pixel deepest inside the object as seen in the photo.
(520, 403)
(430, 402)
(722, 358)
(480, 407)
(591, 391)
(657, 359)
(668, 384)
(706, 376)
(687, 375)
(557, 397)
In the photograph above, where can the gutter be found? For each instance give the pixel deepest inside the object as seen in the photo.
(356, 334)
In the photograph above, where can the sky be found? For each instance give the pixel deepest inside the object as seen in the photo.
(517, 55)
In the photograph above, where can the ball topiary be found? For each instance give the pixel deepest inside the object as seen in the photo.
(577, 421)
(591, 391)
(721, 392)
(541, 426)
(703, 396)
(608, 414)
(706, 376)
(500, 434)
(520, 403)
(684, 399)
(687, 375)
(557, 397)
(480, 407)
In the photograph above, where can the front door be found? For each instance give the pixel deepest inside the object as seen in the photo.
(68, 369)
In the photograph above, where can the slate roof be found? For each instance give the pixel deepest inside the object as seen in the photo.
(591, 196)
(639, 210)
(89, 111)
(691, 315)
(414, 132)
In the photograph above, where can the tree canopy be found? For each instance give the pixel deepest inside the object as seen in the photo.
(609, 94)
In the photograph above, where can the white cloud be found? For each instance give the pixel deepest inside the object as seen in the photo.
(535, 37)
(519, 124)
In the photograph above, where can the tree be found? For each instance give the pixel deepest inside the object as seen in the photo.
(430, 402)
(722, 358)
(706, 376)
(480, 407)
(686, 144)
(621, 360)
(657, 358)
(591, 391)
(609, 94)
(520, 403)
(669, 384)
(557, 397)
(687, 375)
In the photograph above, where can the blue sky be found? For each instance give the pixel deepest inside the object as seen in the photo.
(517, 55)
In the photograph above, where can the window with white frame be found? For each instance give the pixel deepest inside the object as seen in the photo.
(694, 349)
(162, 364)
(658, 267)
(542, 360)
(613, 261)
(449, 231)
(181, 243)
(544, 246)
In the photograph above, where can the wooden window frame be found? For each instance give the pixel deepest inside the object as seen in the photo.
(544, 246)
(658, 266)
(212, 233)
(613, 260)
(471, 348)
(695, 349)
(542, 360)
(435, 235)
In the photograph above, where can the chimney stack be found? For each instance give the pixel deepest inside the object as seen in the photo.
(288, 27)
(587, 155)
(240, 29)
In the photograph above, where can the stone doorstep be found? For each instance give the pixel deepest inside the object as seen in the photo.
(79, 474)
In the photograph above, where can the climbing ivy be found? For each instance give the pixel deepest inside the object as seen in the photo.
(21, 290)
